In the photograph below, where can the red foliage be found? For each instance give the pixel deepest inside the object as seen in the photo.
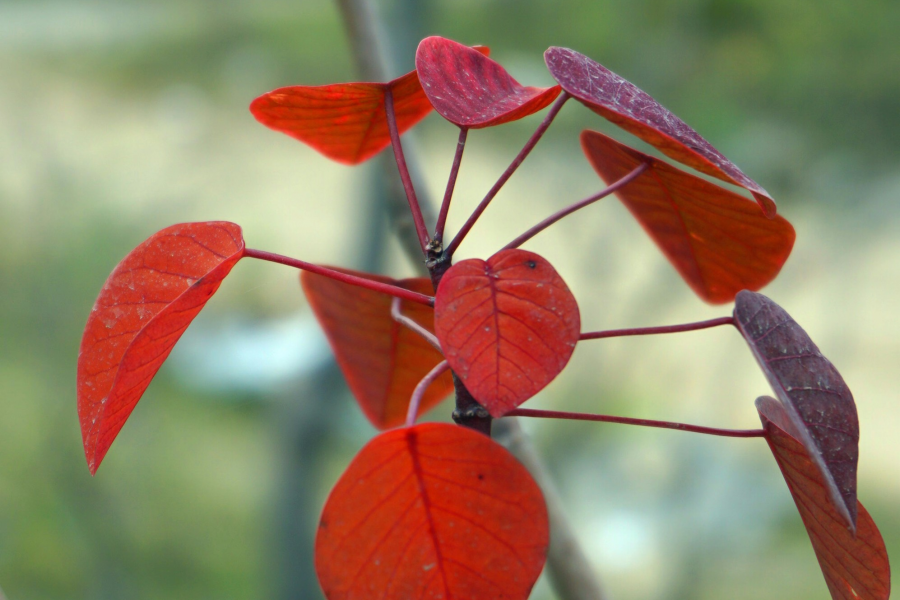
(381, 360)
(471, 90)
(146, 304)
(632, 109)
(855, 566)
(815, 398)
(718, 241)
(344, 121)
(432, 511)
(507, 326)
(442, 511)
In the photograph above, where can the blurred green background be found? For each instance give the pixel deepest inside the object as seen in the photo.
(118, 118)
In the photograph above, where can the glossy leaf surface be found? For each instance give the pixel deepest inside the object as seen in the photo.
(507, 326)
(382, 360)
(145, 305)
(432, 511)
(470, 90)
(855, 567)
(816, 399)
(717, 240)
(632, 109)
(344, 121)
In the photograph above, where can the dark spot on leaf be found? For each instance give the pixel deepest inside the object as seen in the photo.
(531, 264)
(480, 477)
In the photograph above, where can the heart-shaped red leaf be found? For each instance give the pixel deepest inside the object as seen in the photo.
(815, 398)
(855, 566)
(381, 359)
(344, 121)
(472, 91)
(432, 511)
(717, 240)
(632, 109)
(146, 304)
(507, 326)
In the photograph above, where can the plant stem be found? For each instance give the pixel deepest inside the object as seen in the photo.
(451, 183)
(407, 322)
(596, 335)
(421, 230)
(568, 567)
(553, 414)
(413, 411)
(375, 286)
(634, 174)
(526, 150)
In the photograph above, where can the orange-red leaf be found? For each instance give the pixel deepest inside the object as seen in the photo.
(814, 395)
(344, 121)
(470, 90)
(717, 240)
(432, 511)
(855, 567)
(381, 359)
(146, 304)
(632, 109)
(507, 326)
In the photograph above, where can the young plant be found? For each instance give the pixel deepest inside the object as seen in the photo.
(439, 510)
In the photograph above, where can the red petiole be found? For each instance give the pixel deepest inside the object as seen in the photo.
(375, 286)
(553, 414)
(418, 219)
(596, 335)
(634, 174)
(451, 183)
(526, 150)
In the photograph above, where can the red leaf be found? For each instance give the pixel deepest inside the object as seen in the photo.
(636, 112)
(471, 90)
(855, 567)
(381, 359)
(815, 398)
(432, 511)
(146, 304)
(344, 121)
(716, 239)
(507, 326)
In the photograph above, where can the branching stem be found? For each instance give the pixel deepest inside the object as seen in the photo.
(596, 335)
(407, 322)
(553, 414)
(421, 229)
(526, 150)
(375, 286)
(413, 411)
(634, 174)
(451, 183)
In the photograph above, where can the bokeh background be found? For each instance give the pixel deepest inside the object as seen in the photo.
(118, 118)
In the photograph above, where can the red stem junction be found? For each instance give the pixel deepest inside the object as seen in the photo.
(553, 414)
(634, 174)
(451, 183)
(596, 335)
(526, 150)
(418, 219)
(375, 286)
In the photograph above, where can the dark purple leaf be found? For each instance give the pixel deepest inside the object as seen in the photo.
(816, 399)
(632, 109)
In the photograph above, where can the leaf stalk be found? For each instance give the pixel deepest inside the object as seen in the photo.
(520, 157)
(375, 286)
(553, 414)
